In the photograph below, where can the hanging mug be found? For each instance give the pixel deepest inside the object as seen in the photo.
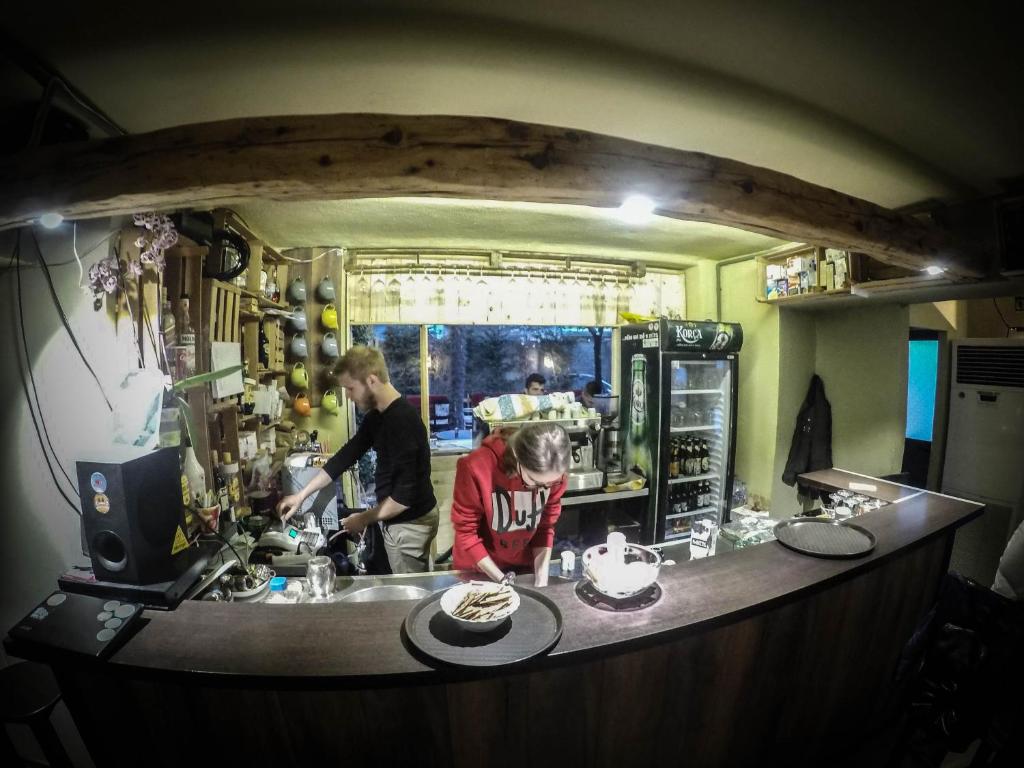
(329, 317)
(298, 318)
(329, 346)
(329, 402)
(301, 405)
(298, 346)
(326, 289)
(297, 291)
(300, 376)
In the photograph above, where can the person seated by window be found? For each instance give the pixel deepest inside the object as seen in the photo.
(507, 499)
(590, 389)
(535, 384)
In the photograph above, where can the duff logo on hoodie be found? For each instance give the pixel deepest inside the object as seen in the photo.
(516, 510)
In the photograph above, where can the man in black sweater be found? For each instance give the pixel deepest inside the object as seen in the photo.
(406, 506)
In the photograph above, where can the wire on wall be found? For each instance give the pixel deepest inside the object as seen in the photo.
(64, 318)
(1002, 317)
(28, 397)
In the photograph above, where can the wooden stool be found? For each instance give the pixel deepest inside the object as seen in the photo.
(29, 694)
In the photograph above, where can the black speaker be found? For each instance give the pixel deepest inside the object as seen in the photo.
(133, 518)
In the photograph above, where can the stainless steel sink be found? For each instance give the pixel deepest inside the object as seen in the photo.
(385, 592)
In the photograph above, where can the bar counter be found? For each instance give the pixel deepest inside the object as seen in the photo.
(751, 654)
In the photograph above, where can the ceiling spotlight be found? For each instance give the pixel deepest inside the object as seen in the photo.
(934, 270)
(636, 209)
(51, 220)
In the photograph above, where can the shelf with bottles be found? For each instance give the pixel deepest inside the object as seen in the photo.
(704, 428)
(693, 478)
(696, 391)
(690, 513)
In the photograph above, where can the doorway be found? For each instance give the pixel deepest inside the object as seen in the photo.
(922, 388)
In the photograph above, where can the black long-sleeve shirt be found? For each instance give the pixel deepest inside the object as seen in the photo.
(403, 458)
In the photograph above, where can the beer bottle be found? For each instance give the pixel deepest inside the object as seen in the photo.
(673, 463)
(689, 457)
(709, 499)
(705, 457)
(638, 449)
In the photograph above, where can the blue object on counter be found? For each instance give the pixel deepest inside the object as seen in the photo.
(277, 584)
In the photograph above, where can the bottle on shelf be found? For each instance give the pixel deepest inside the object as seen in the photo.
(705, 457)
(264, 348)
(185, 351)
(220, 487)
(195, 474)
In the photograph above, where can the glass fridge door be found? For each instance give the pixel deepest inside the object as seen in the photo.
(699, 448)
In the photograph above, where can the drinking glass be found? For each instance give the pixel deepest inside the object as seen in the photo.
(320, 574)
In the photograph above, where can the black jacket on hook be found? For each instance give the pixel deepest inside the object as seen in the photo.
(812, 439)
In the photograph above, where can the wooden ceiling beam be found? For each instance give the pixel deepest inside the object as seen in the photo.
(343, 156)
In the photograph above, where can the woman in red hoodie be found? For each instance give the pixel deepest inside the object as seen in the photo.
(507, 500)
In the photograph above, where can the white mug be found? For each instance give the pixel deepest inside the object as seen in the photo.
(568, 561)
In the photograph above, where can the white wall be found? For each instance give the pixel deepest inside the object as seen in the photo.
(40, 533)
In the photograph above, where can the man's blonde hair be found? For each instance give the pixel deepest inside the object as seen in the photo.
(360, 362)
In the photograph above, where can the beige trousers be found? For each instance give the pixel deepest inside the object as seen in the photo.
(408, 544)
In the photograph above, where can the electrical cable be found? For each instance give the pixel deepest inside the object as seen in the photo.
(1002, 316)
(101, 241)
(315, 258)
(241, 562)
(74, 250)
(64, 319)
(28, 399)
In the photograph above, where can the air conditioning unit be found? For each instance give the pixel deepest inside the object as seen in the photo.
(985, 441)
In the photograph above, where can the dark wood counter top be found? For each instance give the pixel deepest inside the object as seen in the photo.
(750, 656)
(841, 479)
(361, 643)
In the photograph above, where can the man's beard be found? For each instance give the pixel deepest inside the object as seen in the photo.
(369, 403)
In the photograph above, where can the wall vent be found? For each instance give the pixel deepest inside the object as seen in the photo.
(990, 366)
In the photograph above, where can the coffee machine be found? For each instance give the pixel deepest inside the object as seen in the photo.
(608, 458)
(583, 472)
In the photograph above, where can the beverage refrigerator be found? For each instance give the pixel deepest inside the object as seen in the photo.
(678, 420)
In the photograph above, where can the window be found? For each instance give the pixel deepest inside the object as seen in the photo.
(467, 363)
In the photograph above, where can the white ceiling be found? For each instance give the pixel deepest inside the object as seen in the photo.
(489, 225)
(895, 103)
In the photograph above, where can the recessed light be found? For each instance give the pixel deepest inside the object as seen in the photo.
(934, 270)
(51, 220)
(636, 209)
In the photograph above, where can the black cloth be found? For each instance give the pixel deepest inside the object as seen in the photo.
(811, 448)
(403, 458)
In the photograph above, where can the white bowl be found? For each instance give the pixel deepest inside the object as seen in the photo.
(639, 571)
(452, 597)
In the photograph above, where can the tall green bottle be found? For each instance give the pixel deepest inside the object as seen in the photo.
(638, 447)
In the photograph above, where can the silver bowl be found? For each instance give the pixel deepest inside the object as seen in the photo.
(639, 570)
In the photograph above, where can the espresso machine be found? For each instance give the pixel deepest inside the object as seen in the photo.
(583, 472)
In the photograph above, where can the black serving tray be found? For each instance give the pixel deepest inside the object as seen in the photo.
(819, 537)
(530, 631)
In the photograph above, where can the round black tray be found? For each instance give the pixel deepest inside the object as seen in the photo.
(530, 631)
(825, 538)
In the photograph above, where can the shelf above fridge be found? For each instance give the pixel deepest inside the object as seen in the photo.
(693, 478)
(707, 428)
(691, 513)
(696, 391)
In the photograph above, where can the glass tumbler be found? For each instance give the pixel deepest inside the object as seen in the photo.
(320, 574)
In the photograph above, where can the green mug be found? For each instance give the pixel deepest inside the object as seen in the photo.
(329, 402)
(300, 376)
